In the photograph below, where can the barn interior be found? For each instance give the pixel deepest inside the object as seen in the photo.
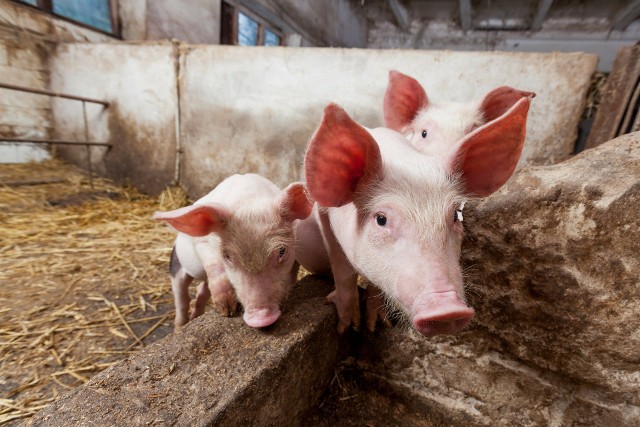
(113, 109)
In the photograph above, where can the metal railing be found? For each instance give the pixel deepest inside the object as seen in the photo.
(86, 143)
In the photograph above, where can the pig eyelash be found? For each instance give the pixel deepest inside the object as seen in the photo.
(282, 253)
(381, 219)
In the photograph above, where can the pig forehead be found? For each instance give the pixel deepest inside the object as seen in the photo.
(452, 119)
(252, 243)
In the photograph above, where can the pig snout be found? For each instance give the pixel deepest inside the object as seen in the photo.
(261, 317)
(440, 313)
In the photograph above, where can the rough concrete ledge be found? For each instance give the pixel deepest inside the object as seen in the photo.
(216, 371)
(465, 380)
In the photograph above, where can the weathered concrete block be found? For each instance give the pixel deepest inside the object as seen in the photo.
(554, 277)
(556, 258)
(4, 58)
(217, 371)
(467, 381)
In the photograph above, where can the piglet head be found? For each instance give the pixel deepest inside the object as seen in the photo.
(397, 210)
(435, 128)
(394, 219)
(256, 247)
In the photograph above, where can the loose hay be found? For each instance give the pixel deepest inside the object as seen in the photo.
(83, 280)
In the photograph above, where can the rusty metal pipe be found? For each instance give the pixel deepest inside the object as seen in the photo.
(51, 93)
(54, 141)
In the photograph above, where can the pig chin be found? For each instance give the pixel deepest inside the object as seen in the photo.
(440, 313)
(261, 317)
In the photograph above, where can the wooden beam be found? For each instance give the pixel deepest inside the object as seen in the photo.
(465, 14)
(616, 97)
(626, 16)
(401, 14)
(541, 14)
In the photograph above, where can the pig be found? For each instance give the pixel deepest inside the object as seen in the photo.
(239, 240)
(392, 213)
(436, 127)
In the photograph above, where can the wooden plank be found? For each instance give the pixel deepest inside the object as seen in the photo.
(631, 113)
(616, 96)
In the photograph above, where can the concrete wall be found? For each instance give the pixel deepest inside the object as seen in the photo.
(140, 82)
(192, 21)
(320, 23)
(26, 38)
(317, 23)
(237, 117)
(569, 27)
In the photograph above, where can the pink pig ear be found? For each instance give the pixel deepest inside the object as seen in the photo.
(340, 156)
(402, 101)
(295, 203)
(487, 157)
(195, 221)
(500, 100)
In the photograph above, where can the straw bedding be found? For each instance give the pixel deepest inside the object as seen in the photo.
(83, 280)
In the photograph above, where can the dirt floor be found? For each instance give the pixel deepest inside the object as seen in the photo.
(84, 283)
(83, 280)
(350, 401)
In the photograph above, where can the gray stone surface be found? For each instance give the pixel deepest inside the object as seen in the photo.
(216, 371)
(554, 268)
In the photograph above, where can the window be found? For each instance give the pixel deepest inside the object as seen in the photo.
(242, 27)
(95, 14)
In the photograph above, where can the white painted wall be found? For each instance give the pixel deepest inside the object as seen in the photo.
(139, 80)
(254, 109)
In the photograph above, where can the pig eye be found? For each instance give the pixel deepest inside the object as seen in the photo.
(381, 220)
(282, 252)
(424, 133)
(226, 255)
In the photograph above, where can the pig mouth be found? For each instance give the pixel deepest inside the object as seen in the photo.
(441, 313)
(261, 317)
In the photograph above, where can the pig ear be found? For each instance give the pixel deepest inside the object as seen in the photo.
(195, 221)
(402, 101)
(295, 203)
(341, 156)
(500, 100)
(487, 157)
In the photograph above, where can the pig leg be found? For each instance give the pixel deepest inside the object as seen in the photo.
(180, 282)
(201, 300)
(374, 311)
(223, 296)
(345, 296)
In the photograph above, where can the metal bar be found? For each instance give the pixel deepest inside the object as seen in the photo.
(54, 141)
(541, 14)
(465, 14)
(87, 147)
(626, 16)
(401, 14)
(51, 93)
